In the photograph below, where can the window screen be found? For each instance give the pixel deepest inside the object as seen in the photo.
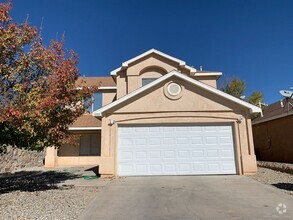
(90, 144)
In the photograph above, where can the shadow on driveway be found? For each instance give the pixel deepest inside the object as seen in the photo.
(31, 181)
(284, 186)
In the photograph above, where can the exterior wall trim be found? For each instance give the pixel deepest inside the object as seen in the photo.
(83, 128)
(231, 122)
(126, 63)
(108, 88)
(208, 74)
(253, 108)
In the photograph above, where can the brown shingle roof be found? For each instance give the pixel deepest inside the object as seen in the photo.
(87, 121)
(96, 81)
(275, 109)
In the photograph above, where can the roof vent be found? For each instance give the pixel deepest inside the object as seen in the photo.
(200, 68)
(174, 89)
(281, 103)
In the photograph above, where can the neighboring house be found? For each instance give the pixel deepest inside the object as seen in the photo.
(160, 116)
(273, 133)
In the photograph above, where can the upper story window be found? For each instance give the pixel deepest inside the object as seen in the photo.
(146, 81)
(96, 102)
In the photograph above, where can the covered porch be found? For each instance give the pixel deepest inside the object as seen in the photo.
(84, 148)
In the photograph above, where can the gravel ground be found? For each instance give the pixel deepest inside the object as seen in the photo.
(38, 195)
(41, 195)
(283, 167)
(280, 180)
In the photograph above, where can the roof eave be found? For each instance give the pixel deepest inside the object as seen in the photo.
(253, 108)
(273, 118)
(97, 113)
(126, 63)
(84, 128)
(108, 88)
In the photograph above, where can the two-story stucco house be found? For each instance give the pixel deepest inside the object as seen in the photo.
(155, 115)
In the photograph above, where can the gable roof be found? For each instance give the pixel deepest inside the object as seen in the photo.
(253, 108)
(85, 121)
(102, 81)
(126, 63)
(275, 111)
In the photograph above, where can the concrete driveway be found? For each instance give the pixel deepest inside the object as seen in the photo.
(188, 197)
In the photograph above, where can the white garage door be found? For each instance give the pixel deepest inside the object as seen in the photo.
(175, 150)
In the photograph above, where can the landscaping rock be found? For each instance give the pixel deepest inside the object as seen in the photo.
(280, 180)
(16, 158)
(283, 167)
(40, 194)
(61, 203)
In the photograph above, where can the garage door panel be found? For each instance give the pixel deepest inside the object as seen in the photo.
(126, 168)
(197, 140)
(126, 156)
(154, 129)
(126, 142)
(227, 166)
(185, 167)
(226, 140)
(227, 153)
(175, 150)
(155, 141)
(156, 168)
(168, 141)
(155, 155)
(210, 128)
(213, 166)
(183, 154)
(211, 140)
(199, 166)
(141, 168)
(141, 155)
(141, 141)
(197, 154)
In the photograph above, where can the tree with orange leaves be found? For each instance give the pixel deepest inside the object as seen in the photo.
(38, 96)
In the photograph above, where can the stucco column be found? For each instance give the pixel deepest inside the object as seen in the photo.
(107, 164)
(249, 165)
(51, 157)
(250, 137)
(105, 135)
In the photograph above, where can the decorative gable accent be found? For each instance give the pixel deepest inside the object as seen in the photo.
(253, 108)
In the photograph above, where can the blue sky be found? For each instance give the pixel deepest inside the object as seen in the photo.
(252, 40)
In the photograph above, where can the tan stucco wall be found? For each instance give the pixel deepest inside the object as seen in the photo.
(194, 99)
(152, 60)
(152, 66)
(121, 81)
(52, 160)
(108, 96)
(196, 106)
(68, 150)
(68, 154)
(209, 80)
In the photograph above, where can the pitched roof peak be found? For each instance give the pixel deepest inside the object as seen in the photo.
(126, 63)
